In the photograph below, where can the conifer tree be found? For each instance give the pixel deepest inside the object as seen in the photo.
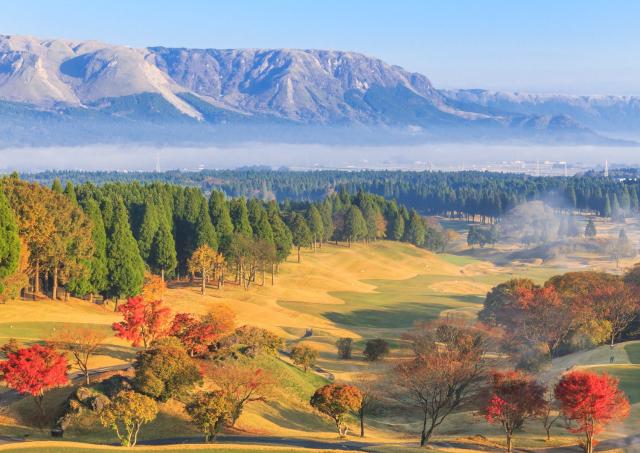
(56, 186)
(95, 280)
(314, 220)
(148, 229)
(240, 217)
(124, 263)
(221, 219)
(326, 211)
(205, 232)
(355, 227)
(281, 234)
(163, 251)
(300, 232)
(415, 231)
(70, 193)
(260, 222)
(9, 241)
(590, 229)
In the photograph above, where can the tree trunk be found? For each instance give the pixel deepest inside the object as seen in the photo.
(423, 435)
(299, 254)
(204, 282)
(509, 443)
(54, 287)
(162, 275)
(361, 422)
(36, 281)
(272, 274)
(115, 301)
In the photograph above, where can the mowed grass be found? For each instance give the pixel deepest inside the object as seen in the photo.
(59, 447)
(633, 351)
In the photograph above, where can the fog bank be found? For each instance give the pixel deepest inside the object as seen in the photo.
(418, 157)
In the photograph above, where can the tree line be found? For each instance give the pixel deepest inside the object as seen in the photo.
(100, 240)
(474, 195)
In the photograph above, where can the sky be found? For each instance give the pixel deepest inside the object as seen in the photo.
(560, 46)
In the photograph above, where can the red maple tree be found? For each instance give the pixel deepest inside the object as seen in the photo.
(194, 334)
(143, 321)
(34, 371)
(514, 397)
(590, 401)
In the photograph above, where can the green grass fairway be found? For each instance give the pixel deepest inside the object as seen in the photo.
(633, 351)
(33, 331)
(62, 448)
(629, 376)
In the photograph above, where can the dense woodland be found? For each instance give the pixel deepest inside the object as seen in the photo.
(100, 240)
(474, 195)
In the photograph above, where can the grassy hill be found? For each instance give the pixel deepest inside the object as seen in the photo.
(363, 291)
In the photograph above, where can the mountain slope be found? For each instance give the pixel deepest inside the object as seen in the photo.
(116, 93)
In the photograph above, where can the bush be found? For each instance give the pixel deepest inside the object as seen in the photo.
(166, 370)
(345, 346)
(304, 356)
(376, 349)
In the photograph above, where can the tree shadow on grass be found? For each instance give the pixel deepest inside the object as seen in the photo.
(117, 352)
(390, 317)
(292, 418)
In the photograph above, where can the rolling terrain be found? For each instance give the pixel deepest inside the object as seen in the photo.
(363, 291)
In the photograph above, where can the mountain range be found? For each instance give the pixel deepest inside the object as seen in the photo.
(78, 92)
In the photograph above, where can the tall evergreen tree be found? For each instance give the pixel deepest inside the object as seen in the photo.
(148, 229)
(95, 280)
(163, 251)
(355, 227)
(300, 232)
(56, 186)
(590, 229)
(219, 212)
(9, 241)
(259, 221)
(70, 193)
(281, 234)
(415, 230)
(314, 220)
(124, 263)
(205, 232)
(240, 217)
(326, 211)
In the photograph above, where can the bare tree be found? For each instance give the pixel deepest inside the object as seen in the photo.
(81, 343)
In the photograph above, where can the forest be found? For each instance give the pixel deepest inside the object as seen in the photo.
(99, 240)
(473, 195)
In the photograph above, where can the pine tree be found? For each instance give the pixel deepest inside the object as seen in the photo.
(148, 228)
(606, 210)
(95, 281)
(205, 232)
(259, 221)
(326, 212)
(9, 241)
(314, 220)
(56, 186)
(370, 214)
(221, 219)
(70, 193)
(590, 229)
(240, 217)
(163, 251)
(281, 234)
(300, 232)
(355, 227)
(124, 263)
(415, 230)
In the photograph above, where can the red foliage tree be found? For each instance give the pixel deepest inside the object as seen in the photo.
(143, 321)
(514, 398)
(194, 334)
(590, 401)
(34, 371)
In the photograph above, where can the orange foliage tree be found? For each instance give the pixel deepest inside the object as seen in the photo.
(143, 321)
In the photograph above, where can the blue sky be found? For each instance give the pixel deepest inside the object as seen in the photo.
(584, 47)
